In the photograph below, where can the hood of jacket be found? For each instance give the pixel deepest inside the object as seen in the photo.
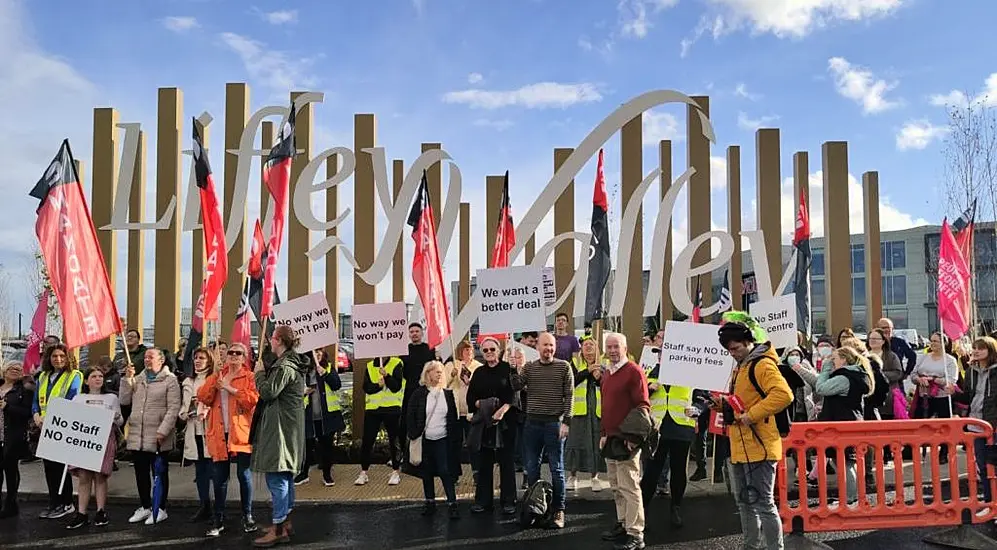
(761, 350)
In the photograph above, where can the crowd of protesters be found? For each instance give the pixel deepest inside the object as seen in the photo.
(582, 410)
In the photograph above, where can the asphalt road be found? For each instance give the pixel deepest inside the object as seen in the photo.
(711, 524)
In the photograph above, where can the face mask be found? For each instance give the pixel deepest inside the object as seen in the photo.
(793, 360)
(825, 351)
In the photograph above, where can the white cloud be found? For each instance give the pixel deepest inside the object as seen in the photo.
(276, 69)
(861, 86)
(956, 98)
(474, 78)
(918, 134)
(180, 24)
(633, 15)
(686, 45)
(658, 126)
(420, 6)
(742, 91)
(750, 124)
(281, 17)
(585, 44)
(532, 96)
(500, 125)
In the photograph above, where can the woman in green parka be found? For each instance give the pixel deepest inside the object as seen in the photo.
(278, 432)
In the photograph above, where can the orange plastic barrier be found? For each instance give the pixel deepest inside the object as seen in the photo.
(820, 437)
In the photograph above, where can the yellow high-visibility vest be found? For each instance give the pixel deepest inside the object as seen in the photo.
(385, 398)
(60, 389)
(672, 402)
(332, 400)
(579, 404)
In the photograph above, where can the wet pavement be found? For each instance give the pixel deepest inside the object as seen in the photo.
(711, 523)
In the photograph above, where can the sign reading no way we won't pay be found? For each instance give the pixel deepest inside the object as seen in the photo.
(380, 330)
(75, 434)
(310, 318)
(691, 356)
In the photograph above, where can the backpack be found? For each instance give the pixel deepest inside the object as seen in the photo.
(880, 391)
(783, 418)
(535, 509)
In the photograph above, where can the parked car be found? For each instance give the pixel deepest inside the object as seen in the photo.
(344, 363)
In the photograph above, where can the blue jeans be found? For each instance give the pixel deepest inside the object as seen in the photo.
(436, 463)
(202, 479)
(281, 485)
(980, 450)
(222, 471)
(545, 437)
(753, 484)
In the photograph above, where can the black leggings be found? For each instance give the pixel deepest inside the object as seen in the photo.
(318, 450)
(10, 453)
(373, 421)
(934, 407)
(53, 473)
(143, 478)
(677, 453)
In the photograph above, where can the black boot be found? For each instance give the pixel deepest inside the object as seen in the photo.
(699, 474)
(10, 509)
(676, 518)
(203, 514)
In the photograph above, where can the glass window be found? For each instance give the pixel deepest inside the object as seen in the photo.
(898, 255)
(859, 321)
(931, 244)
(858, 292)
(817, 262)
(986, 285)
(818, 292)
(858, 258)
(819, 324)
(896, 294)
(984, 245)
(898, 316)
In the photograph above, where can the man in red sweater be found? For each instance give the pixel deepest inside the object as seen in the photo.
(624, 388)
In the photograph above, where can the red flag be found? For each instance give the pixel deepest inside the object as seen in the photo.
(505, 233)
(242, 329)
(599, 253)
(216, 252)
(33, 353)
(697, 306)
(427, 272)
(953, 286)
(276, 176)
(256, 252)
(73, 258)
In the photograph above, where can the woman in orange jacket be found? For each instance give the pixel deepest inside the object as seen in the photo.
(231, 397)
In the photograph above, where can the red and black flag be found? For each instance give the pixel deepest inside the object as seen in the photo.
(276, 176)
(505, 233)
(252, 293)
(697, 304)
(599, 260)
(804, 259)
(72, 255)
(962, 227)
(427, 270)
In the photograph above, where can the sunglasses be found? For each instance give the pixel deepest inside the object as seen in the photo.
(234, 353)
(488, 350)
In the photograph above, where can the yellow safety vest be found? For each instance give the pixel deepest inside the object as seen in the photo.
(579, 405)
(332, 401)
(672, 402)
(59, 390)
(385, 398)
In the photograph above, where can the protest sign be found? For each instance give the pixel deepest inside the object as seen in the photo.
(550, 289)
(649, 358)
(311, 320)
(511, 300)
(716, 426)
(778, 317)
(75, 433)
(691, 356)
(380, 330)
(529, 354)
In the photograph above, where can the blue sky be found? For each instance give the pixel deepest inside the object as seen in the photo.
(501, 84)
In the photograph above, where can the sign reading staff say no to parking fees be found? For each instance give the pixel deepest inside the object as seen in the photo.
(691, 356)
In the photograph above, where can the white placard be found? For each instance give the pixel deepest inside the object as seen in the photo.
(778, 317)
(311, 320)
(550, 289)
(691, 356)
(380, 330)
(512, 300)
(75, 434)
(648, 359)
(529, 354)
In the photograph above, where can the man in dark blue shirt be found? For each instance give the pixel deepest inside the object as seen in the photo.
(899, 346)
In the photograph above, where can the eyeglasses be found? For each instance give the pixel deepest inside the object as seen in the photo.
(234, 353)
(488, 350)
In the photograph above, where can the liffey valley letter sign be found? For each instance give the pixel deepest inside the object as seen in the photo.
(397, 210)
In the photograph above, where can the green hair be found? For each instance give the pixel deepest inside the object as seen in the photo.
(757, 332)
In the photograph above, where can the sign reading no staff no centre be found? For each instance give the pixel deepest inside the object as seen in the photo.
(75, 434)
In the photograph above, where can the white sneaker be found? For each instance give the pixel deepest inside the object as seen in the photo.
(572, 484)
(362, 479)
(160, 517)
(395, 479)
(141, 514)
(597, 484)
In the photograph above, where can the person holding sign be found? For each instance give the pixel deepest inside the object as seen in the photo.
(582, 448)
(230, 397)
(758, 393)
(59, 378)
(384, 386)
(277, 433)
(15, 417)
(459, 372)
(323, 417)
(155, 399)
(96, 397)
